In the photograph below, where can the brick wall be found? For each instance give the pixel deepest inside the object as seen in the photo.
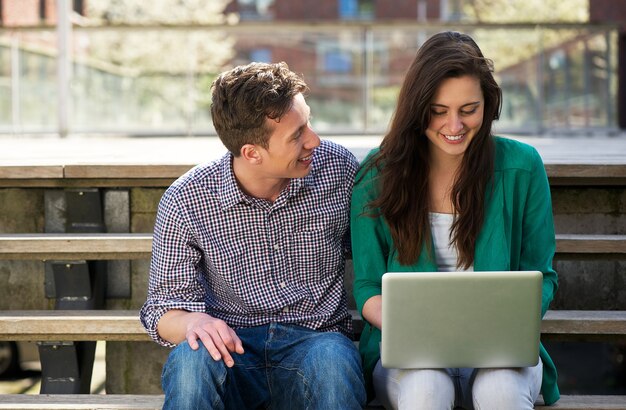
(406, 9)
(51, 11)
(28, 12)
(306, 10)
(607, 11)
(20, 12)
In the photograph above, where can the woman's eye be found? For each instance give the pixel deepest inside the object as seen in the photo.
(470, 112)
(438, 112)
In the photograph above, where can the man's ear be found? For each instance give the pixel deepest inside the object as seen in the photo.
(250, 153)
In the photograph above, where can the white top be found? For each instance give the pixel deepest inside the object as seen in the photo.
(446, 255)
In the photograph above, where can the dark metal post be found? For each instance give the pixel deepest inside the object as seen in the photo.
(67, 366)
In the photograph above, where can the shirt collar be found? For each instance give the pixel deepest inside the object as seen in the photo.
(231, 194)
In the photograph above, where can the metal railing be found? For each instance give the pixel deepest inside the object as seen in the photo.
(155, 79)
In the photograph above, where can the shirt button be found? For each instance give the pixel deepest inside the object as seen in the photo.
(277, 247)
(283, 285)
(286, 309)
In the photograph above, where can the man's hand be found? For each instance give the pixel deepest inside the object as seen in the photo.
(218, 338)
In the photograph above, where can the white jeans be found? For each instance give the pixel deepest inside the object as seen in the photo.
(478, 389)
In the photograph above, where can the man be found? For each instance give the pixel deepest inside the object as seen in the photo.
(246, 277)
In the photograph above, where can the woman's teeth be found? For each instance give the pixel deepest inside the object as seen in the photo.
(454, 137)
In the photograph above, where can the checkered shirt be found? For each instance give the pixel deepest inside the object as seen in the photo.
(248, 261)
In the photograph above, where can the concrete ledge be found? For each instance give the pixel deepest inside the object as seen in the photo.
(155, 402)
(47, 246)
(586, 402)
(124, 325)
(139, 245)
(71, 325)
(580, 243)
(81, 401)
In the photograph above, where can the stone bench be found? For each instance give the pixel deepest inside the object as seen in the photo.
(577, 164)
(123, 325)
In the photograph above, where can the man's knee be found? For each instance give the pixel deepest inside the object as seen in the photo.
(333, 368)
(333, 354)
(192, 372)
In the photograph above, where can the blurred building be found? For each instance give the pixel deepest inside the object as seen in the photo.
(151, 77)
(33, 12)
(576, 84)
(334, 10)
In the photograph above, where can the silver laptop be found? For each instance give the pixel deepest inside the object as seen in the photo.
(461, 319)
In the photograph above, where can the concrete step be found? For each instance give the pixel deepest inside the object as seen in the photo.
(139, 245)
(124, 325)
(155, 402)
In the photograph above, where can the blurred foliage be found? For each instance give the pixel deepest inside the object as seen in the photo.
(158, 51)
(139, 12)
(526, 11)
(507, 49)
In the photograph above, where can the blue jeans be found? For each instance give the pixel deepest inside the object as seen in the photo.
(283, 367)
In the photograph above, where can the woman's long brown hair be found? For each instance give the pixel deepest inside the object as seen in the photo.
(403, 158)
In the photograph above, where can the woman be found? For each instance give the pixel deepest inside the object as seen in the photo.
(441, 193)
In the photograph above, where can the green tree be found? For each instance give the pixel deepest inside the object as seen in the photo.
(162, 50)
(154, 58)
(527, 11)
(135, 12)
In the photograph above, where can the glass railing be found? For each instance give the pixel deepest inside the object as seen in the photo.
(156, 80)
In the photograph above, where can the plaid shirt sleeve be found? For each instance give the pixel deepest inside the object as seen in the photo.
(174, 276)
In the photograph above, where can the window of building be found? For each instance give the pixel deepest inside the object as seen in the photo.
(451, 10)
(334, 58)
(42, 9)
(79, 7)
(337, 61)
(255, 9)
(261, 55)
(356, 9)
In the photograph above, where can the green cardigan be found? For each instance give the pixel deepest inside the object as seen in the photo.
(517, 234)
